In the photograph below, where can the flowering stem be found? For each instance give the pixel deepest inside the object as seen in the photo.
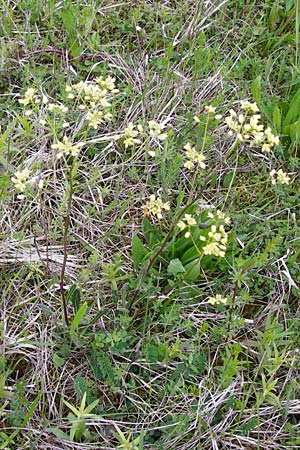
(65, 243)
(197, 169)
(145, 272)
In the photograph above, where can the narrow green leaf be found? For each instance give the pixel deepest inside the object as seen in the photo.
(73, 295)
(277, 118)
(58, 433)
(256, 89)
(293, 113)
(78, 318)
(90, 407)
(24, 423)
(72, 408)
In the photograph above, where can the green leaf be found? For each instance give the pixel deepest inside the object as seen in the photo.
(78, 318)
(151, 233)
(293, 130)
(175, 267)
(69, 20)
(73, 294)
(90, 407)
(58, 361)
(293, 113)
(228, 179)
(192, 270)
(191, 254)
(256, 89)
(139, 251)
(75, 48)
(277, 118)
(75, 411)
(24, 423)
(213, 179)
(58, 433)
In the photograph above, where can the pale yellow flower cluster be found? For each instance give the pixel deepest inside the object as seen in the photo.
(217, 300)
(108, 83)
(185, 223)
(130, 134)
(66, 147)
(30, 97)
(248, 127)
(219, 216)
(156, 130)
(194, 157)
(212, 110)
(95, 118)
(279, 177)
(94, 98)
(57, 107)
(155, 206)
(217, 243)
(21, 181)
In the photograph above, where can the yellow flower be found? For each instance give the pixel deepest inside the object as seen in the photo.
(181, 225)
(130, 135)
(194, 157)
(189, 165)
(266, 148)
(210, 109)
(56, 107)
(20, 179)
(216, 245)
(186, 222)
(245, 104)
(279, 177)
(67, 148)
(217, 300)
(29, 97)
(190, 220)
(155, 206)
(95, 118)
(156, 130)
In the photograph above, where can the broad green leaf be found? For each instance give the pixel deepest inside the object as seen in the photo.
(294, 131)
(228, 179)
(58, 360)
(192, 270)
(151, 233)
(69, 20)
(191, 254)
(175, 267)
(138, 251)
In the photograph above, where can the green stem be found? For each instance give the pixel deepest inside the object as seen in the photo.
(65, 244)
